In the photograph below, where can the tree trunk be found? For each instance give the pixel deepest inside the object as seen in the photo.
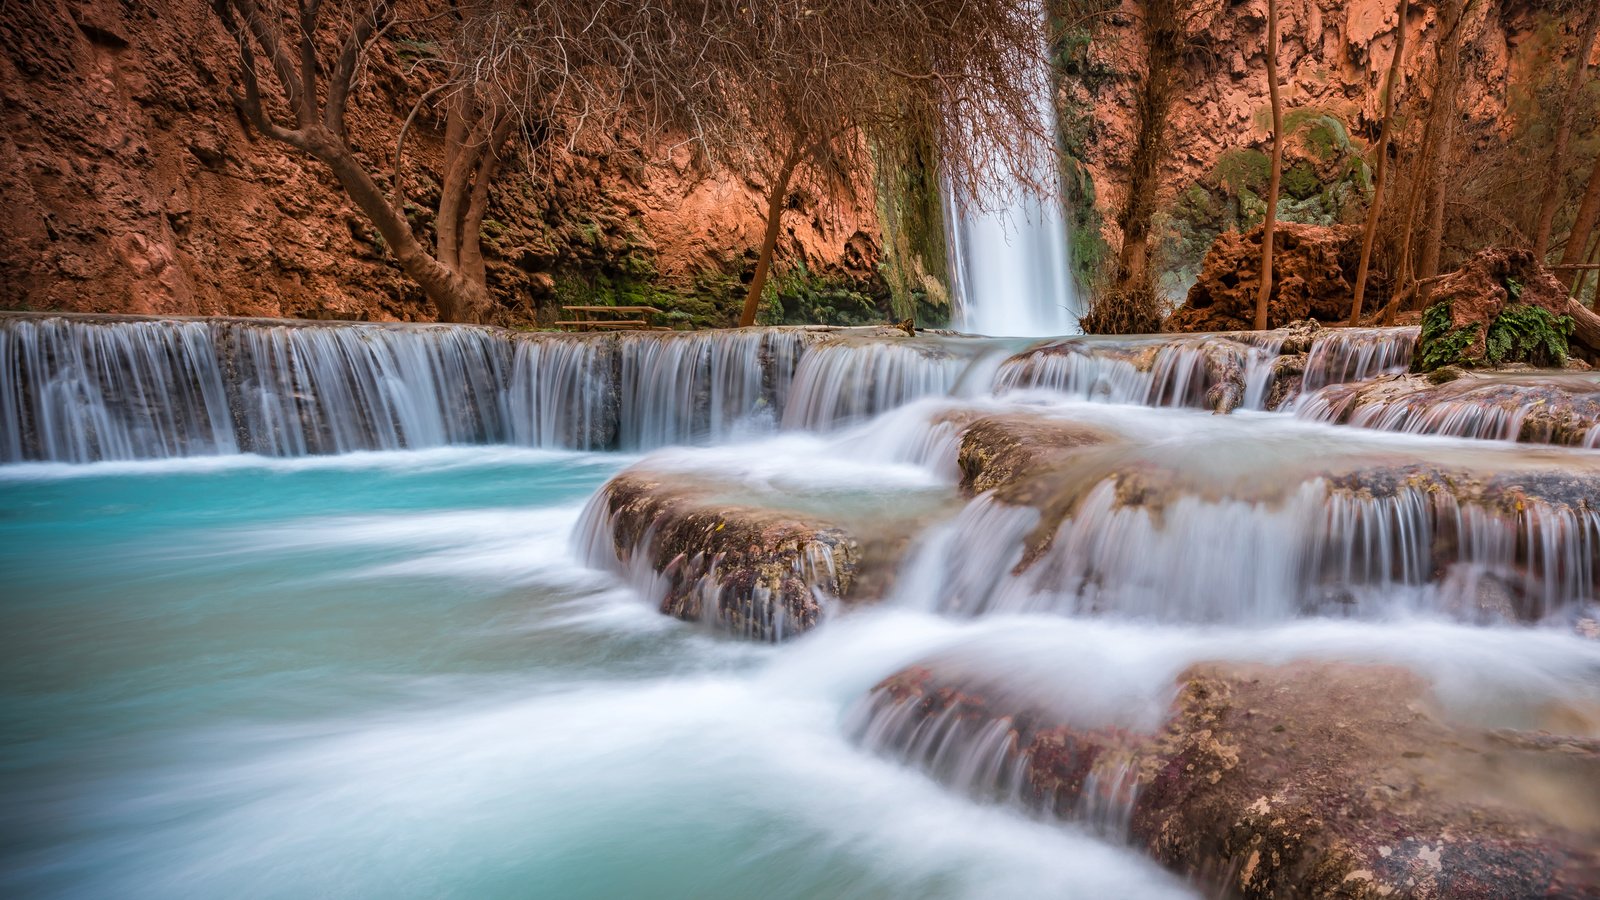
(1164, 40)
(1583, 277)
(445, 287)
(1391, 83)
(1583, 225)
(1555, 180)
(1277, 166)
(1442, 112)
(1586, 325)
(769, 240)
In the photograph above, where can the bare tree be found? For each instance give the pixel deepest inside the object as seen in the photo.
(1551, 195)
(1583, 225)
(1428, 192)
(1391, 84)
(787, 91)
(1276, 172)
(505, 73)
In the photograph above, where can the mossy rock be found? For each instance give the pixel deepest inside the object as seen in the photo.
(1502, 307)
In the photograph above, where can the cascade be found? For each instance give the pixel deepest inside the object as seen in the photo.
(1559, 408)
(839, 382)
(139, 390)
(690, 388)
(1181, 371)
(561, 393)
(1319, 549)
(308, 390)
(82, 389)
(1005, 557)
(1356, 354)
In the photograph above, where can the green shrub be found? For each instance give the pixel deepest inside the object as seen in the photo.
(1521, 333)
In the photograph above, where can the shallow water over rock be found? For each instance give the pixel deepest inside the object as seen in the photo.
(370, 610)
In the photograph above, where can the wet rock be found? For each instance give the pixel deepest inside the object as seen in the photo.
(1008, 451)
(763, 574)
(1301, 780)
(1313, 275)
(1336, 780)
(1540, 409)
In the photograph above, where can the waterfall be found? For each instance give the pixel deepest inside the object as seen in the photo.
(137, 390)
(333, 390)
(838, 383)
(562, 393)
(1321, 548)
(1546, 409)
(84, 389)
(1010, 264)
(1199, 372)
(701, 386)
(1355, 354)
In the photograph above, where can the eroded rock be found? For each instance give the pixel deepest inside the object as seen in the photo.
(1313, 278)
(1302, 780)
(1501, 306)
(760, 573)
(1539, 409)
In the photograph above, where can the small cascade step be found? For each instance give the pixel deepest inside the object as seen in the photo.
(1535, 408)
(1308, 779)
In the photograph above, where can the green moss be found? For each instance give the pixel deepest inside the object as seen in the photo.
(796, 296)
(1301, 182)
(915, 265)
(1090, 254)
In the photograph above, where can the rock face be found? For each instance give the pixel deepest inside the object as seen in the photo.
(1313, 273)
(1502, 306)
(132, 186)
(1302, 780)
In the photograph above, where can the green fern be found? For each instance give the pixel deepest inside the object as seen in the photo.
(1439, 345)
(1523, 333)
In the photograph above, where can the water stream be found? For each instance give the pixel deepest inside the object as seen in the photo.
(315, 610)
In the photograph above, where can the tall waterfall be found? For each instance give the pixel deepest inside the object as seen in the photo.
(1010, 263)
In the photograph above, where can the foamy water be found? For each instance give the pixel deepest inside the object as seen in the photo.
(388, 673)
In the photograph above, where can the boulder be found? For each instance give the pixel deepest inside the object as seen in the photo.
(1299, 780)
(759, 573)
(1313, 278)
(1501, 306)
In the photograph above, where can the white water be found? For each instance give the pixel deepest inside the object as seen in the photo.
(391, 673)
(77, 390)
(1010, 263)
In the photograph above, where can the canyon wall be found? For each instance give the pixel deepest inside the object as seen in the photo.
(1332, 61)
(132, 185)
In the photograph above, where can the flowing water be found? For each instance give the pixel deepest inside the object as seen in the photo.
(306, 611)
